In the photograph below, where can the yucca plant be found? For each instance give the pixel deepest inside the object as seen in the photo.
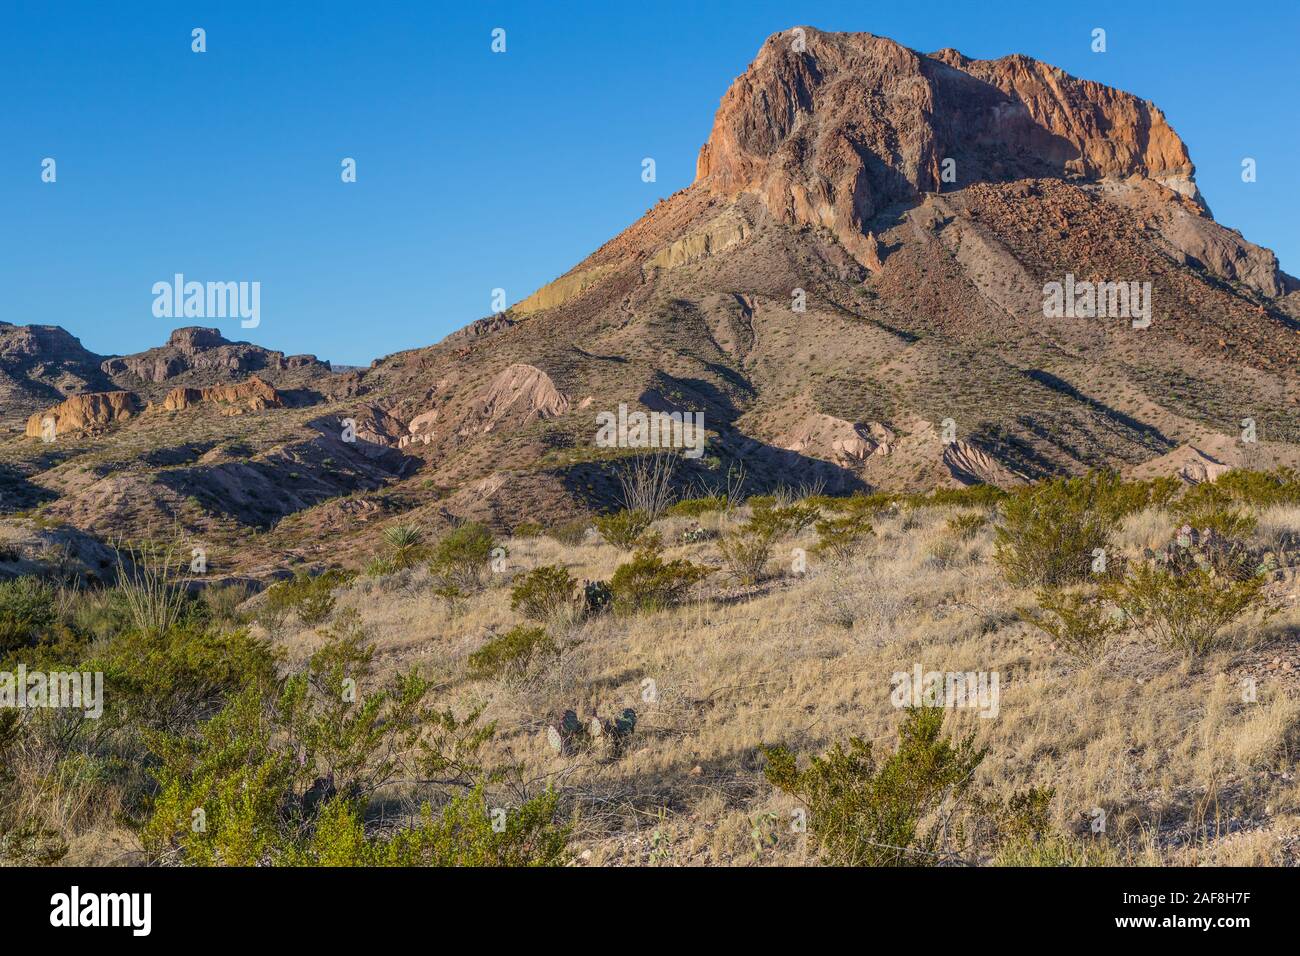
(405, 544)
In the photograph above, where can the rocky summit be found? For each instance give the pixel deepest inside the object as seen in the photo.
(894, 270)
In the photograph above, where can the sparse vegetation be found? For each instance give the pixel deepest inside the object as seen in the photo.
(623, 528)
(867, 811)
(545, 593)
(510, 653)
(648, 583)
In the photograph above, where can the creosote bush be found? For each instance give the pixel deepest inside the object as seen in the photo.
(1184, 611)
(509, 654)
(1076, 620)
(649, 583)
(1049, 531)
(460, 560)
(311, 598)
(746, 553)
(26, 610)
(842, 537)
(546, 593)
(868, 811)
(623, 528)
(285, 774)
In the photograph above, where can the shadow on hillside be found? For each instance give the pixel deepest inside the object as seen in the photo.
(18, 493)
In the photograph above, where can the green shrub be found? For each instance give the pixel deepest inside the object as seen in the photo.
(170, 681)
(623, 528)
(1075, 619)
(570, 533)
(545, 593)
(459, 834)
(746, 553)
(780, 521)
(841, 538)
(864, 811)
(1049, 531)
(510, 653)
(1184, 611)
(527, 529)
(289, 773)
(1262, 489)
(1209, 508)
(461, 558)
(311, 598)
(694, 507)
(26, 611)
(966, 526)
(648, 583)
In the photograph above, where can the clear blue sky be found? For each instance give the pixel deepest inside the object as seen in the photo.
(476, 170)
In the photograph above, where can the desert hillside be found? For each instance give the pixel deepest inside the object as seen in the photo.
(854, 292)
(919, 486)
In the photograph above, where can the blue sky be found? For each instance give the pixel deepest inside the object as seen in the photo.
(477, 170)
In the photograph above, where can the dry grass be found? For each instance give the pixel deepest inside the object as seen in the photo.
(1182, 765)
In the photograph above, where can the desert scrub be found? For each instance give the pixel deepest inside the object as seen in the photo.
(841, 538)
(963, 527)
(403, 547)
(1075, 619)
(287, 773)
(26, 612)
(694, 507)
(1186, 610)
(1050, 532)
(311, 598)
(460, 560)
(1262, 489)
(1209, 506)
(569, 533)
(461, 833)
(779, 521)
(746, 553)
(545, 593)
(1024, 835)
(623, 528)
(865, 811)
(509, 654)
(649, 583)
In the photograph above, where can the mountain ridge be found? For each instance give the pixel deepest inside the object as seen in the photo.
(850, 292)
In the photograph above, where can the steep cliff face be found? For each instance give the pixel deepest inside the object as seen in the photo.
(832, 129)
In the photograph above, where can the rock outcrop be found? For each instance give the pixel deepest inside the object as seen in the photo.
(522, 392)
(42, 363)
(829, 129)
(253, 394)
(91, 412)
(205, 351)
